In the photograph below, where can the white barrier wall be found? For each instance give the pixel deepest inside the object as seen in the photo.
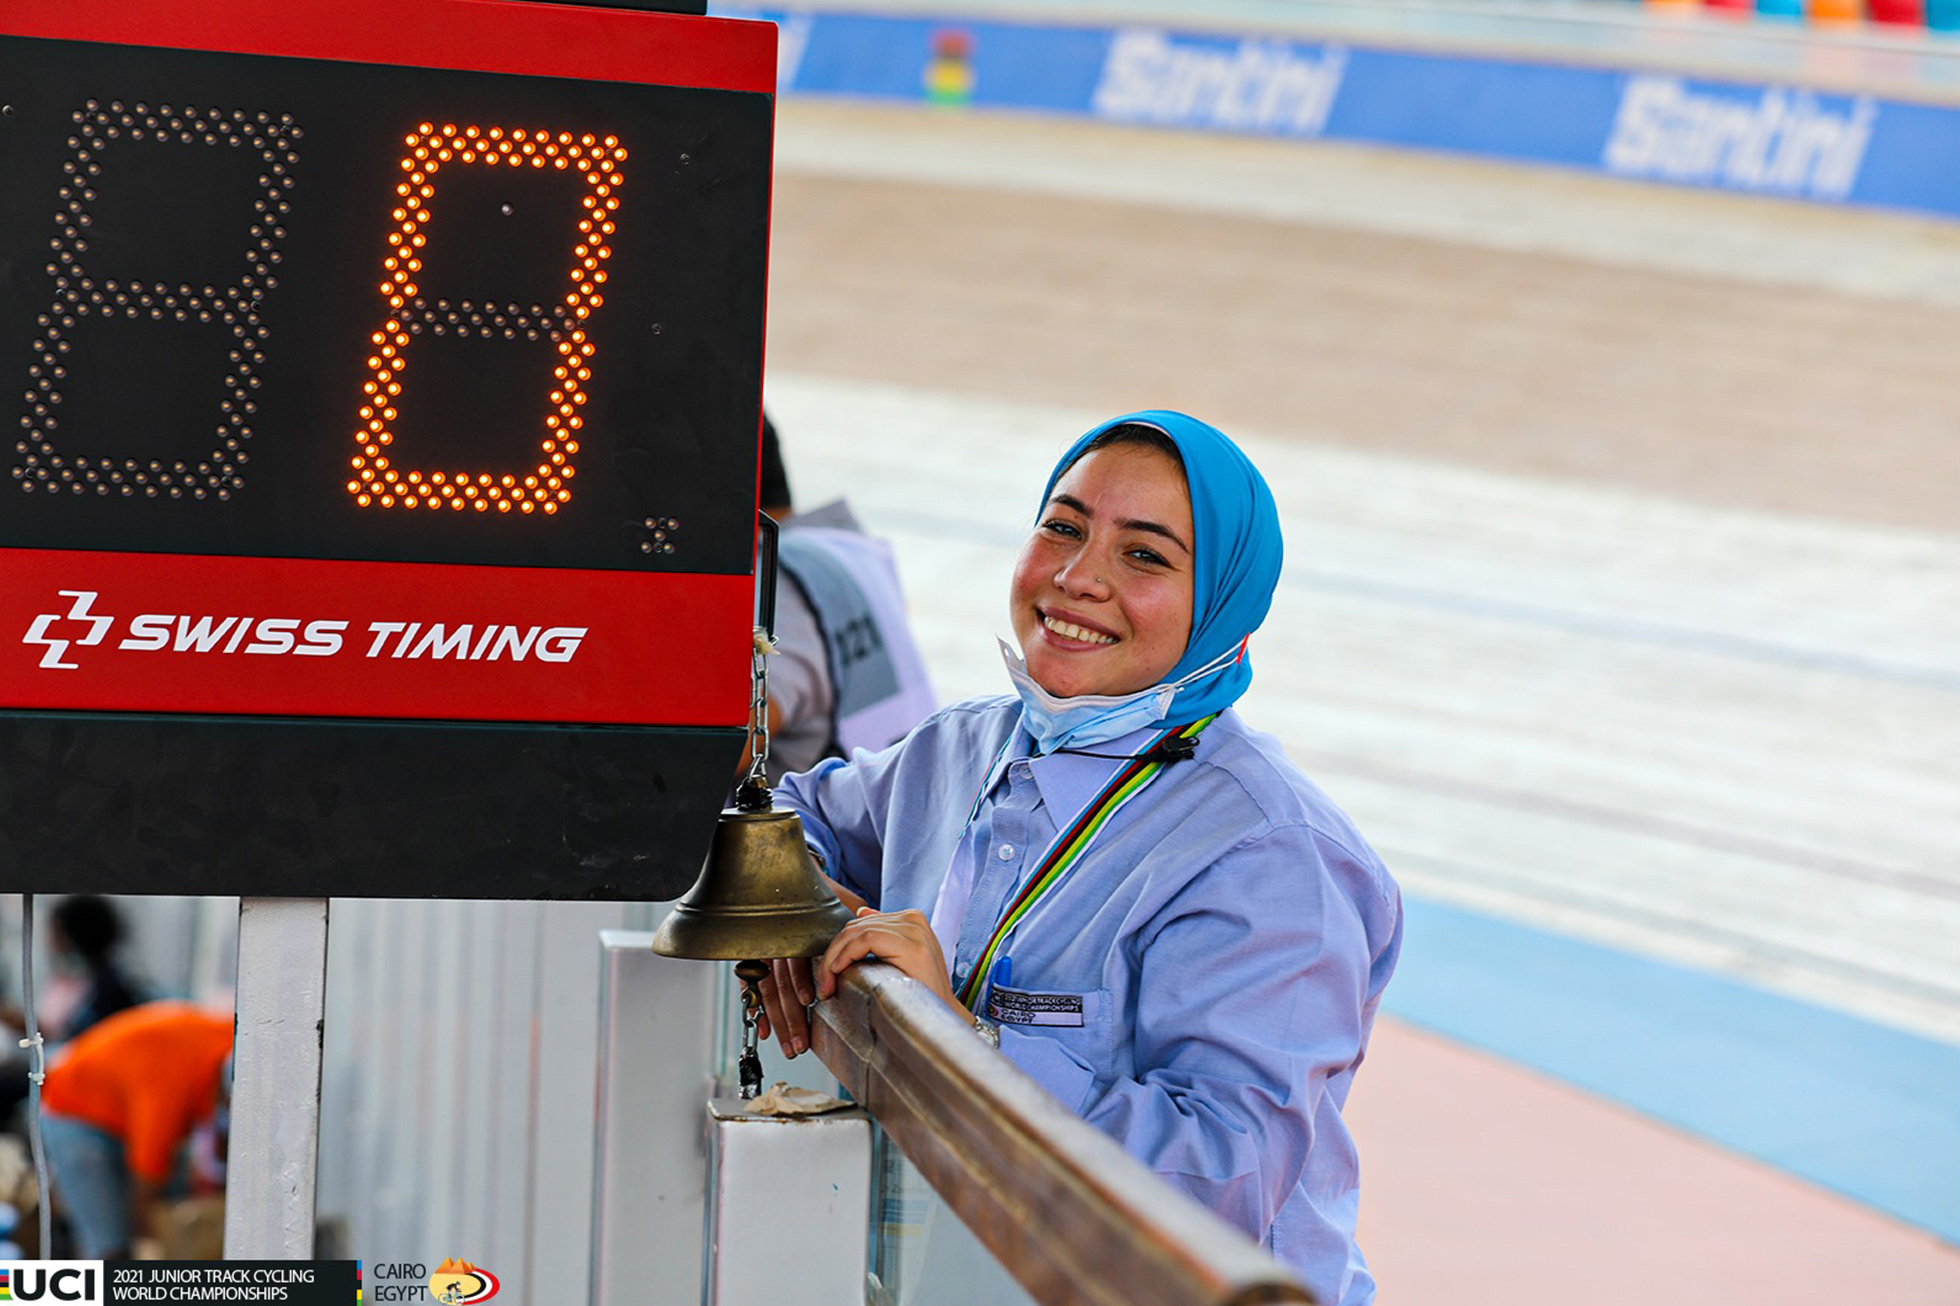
(458, 1097)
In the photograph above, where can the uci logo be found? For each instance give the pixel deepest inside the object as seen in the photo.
(77, 1282)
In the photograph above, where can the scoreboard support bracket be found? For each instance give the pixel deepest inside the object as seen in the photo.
(274, 1156)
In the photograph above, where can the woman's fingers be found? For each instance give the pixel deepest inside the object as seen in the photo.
(902, 939)
(802, 976)
(786, 991)
(853, 943)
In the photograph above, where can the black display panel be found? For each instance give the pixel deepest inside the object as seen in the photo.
(208, 301)
(388, 809)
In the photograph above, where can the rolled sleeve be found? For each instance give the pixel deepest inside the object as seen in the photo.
(912, 797)
(839, 805)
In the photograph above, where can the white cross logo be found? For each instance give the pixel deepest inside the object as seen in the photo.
(77, 611)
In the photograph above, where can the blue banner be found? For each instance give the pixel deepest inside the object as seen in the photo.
(1759, 138)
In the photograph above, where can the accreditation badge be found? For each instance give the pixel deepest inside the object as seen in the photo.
(1023, 1007)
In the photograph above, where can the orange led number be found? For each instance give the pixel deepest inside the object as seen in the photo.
(377, 482)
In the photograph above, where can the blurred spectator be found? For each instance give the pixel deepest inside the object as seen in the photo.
(848, 673)
(120, 1103)
(85, 983)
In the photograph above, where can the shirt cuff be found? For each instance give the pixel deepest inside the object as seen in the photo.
(1050, 1065)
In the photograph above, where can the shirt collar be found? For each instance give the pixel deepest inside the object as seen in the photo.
(1070, 781)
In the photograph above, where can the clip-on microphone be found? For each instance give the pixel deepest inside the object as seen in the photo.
(1172, 748)
(1169, 749)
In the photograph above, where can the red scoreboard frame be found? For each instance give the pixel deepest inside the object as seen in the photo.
(380, 517)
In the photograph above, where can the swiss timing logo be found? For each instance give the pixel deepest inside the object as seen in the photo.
(57, 645)
(60, 633)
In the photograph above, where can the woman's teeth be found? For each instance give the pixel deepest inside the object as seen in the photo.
(1069, 630)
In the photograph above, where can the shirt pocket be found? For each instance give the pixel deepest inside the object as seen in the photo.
(1078, 1020)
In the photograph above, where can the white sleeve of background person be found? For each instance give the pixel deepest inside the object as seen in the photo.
(799, 687)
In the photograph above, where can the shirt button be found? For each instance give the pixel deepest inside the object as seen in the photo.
(1007, 852)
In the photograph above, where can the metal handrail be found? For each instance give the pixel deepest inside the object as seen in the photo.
(1072, 1216)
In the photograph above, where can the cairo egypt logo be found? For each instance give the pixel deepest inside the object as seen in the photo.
(457, 1282)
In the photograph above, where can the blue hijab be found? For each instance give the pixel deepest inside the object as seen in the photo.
(1237, 553)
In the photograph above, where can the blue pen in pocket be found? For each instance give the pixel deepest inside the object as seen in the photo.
(1001, 975)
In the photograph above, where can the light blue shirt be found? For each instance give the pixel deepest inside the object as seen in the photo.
(1212, 966)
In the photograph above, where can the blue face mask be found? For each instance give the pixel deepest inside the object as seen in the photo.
(1090, 719)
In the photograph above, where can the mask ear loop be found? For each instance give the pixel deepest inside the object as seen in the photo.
(1231, 657)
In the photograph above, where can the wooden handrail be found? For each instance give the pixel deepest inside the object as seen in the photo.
(1072, 1216)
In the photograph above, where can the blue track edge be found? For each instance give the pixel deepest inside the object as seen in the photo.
(1859, 1108)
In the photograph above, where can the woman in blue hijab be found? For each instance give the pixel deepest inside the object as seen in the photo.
(1147, 906)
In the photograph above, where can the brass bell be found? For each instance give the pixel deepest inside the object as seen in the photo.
(759, 894)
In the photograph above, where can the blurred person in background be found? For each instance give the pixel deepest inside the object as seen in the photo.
(847, 673)
(1146, 906)
(86, 982)
(120, 1104)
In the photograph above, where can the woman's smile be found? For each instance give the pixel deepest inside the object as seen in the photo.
(1071, 632)
(1101, 597)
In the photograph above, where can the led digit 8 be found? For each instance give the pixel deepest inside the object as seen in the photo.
(377, 482)
(43, 464)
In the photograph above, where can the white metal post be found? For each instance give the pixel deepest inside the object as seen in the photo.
(275, 1097)
(788, 1192)
(650, 1164)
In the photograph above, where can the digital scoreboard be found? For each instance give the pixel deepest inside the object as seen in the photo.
(379, 507)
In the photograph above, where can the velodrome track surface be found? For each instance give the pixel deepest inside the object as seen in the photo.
(1621, 606)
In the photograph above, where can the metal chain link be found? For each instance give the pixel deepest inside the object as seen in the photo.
(762, 647)
(749, 1066)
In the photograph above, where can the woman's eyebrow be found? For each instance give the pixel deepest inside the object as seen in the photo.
(1129, 524)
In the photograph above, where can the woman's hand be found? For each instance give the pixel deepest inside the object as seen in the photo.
(791, 987)
(786, 997)
(901, 938)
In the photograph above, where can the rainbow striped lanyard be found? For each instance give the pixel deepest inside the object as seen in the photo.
(1131, 779)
